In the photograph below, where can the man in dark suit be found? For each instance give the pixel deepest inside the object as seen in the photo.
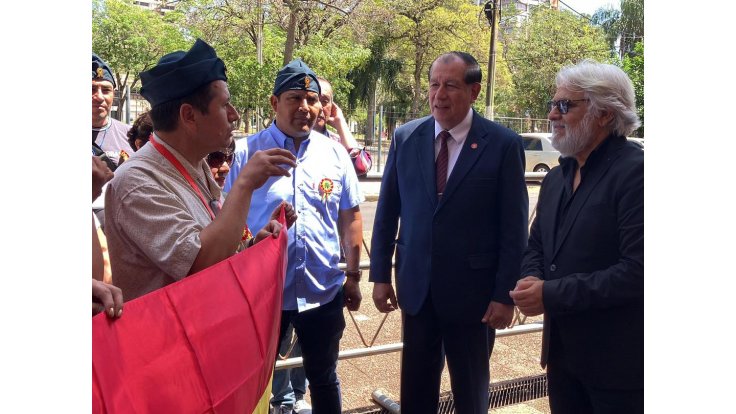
(463, 232)
(584, 267)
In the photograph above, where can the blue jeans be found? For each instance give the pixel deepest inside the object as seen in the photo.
(289, 385)
(319, 331)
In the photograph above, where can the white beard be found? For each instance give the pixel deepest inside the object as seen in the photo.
(575, 139)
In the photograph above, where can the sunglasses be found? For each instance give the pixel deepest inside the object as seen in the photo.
(217, 158)
(563, 105)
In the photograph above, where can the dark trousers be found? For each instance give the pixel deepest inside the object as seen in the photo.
(319, 331)
(427, 341)
(568, 394)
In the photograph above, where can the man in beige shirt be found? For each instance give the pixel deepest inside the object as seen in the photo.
(164, 220)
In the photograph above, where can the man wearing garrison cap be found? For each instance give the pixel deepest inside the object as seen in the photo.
(108, 134)
(164, 219)
(324, 191)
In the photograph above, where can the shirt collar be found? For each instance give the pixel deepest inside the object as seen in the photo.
(104, 127)
(281, 138)
(198, 172)
(460, 131)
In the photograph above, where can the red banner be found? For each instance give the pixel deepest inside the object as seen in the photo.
(205, 344)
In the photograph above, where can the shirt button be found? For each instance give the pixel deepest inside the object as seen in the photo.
(553, 268)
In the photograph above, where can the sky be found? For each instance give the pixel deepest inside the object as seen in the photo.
(590, 6)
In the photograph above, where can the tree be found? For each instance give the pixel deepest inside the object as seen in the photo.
(631, 25)
(131, 39)
(633, 65)
(541, 46)
(607, 18)
(367, 76)
(626, 26)
(427, 25)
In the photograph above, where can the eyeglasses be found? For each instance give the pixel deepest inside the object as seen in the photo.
(217, 158)
(563, 105)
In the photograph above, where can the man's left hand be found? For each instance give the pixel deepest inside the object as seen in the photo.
(498, 315)
(272, 228)
(352, 295)
(528, 296)
(289, 213)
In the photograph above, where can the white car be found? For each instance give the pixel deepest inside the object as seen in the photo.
(540, 155)
(638, 141)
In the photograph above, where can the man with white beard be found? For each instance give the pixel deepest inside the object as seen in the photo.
(584, 265)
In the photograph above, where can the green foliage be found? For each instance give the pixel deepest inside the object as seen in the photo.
(543, 44)
(333, 59)
(366, 48)
(131, 39)
(633, 65)
(607, 18)
(631, 25)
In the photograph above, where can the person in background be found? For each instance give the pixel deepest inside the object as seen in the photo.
(332, 115)
(584, 266)
(141, 131)
(109, 136)
(219, 162)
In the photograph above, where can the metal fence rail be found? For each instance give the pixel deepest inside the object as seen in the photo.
(501, 394)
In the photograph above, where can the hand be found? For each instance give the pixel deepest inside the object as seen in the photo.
(265, 164)
(384, 297)
(101, 174)
(272, 228)
(106, 297)
(352, 295)
(335, 118)
(289, 213)
(527, 296)
(499, 315)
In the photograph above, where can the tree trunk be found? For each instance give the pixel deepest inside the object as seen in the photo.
(417, 83)
(370, 122)
(246, 119)
(290, 32)
(259, 56)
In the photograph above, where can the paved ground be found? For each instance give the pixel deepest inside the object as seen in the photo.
(513, 357)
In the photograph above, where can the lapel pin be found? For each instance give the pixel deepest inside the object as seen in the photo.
(473, 145)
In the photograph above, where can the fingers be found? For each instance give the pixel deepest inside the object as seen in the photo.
(384, 297)
(117, 297)
(109, 297)
(289, 213)
(487, 315)
(352, 295)
(275, 228)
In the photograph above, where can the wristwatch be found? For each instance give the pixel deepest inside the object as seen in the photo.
(355, 274)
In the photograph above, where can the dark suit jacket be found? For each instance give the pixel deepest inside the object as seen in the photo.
(468, 246)
(593, 267)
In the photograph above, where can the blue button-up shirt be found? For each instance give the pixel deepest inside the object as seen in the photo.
(312, 275)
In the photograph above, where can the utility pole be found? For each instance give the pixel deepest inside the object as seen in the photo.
(492, 11)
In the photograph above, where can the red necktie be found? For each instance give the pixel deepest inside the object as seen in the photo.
(441, 163)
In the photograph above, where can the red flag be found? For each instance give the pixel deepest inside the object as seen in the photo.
(204, 344)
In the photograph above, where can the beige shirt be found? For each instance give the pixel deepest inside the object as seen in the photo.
(153, 218)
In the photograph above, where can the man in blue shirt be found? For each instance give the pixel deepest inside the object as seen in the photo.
(323, 188)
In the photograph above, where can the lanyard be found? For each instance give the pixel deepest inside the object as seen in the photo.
(175, 162)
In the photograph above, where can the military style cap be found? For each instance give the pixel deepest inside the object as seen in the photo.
(179, 74)
(100, 70)
(296, 76)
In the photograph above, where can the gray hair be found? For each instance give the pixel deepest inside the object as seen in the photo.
(608, 88)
